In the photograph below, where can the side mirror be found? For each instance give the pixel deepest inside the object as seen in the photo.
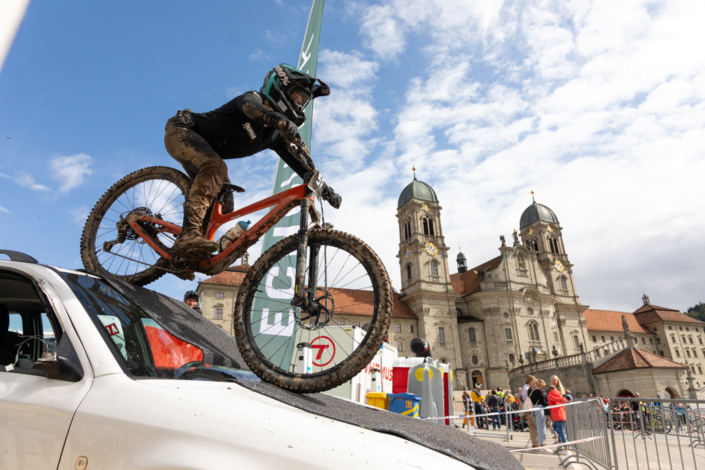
(65, 364)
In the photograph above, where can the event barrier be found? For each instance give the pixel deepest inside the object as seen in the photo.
(656, 433)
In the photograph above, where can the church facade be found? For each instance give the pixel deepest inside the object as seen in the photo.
(514, 310)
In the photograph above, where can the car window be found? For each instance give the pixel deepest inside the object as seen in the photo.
(15, 323)
(146, 348)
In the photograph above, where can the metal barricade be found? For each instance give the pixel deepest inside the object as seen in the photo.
(586, 427)
(655, 433)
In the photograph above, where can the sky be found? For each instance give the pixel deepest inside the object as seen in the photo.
(599, 106)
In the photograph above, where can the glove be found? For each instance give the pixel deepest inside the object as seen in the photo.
(288, 130)
(329, 195)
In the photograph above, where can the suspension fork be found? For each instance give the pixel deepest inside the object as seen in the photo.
(300, 297)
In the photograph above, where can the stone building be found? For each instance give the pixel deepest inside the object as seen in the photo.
(510, 314)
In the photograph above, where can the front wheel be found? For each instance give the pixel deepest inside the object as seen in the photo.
(349, 287)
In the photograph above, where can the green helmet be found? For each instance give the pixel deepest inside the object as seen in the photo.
(289, 90)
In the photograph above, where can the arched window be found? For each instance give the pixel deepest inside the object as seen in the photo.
(425, 226)
(434, 268)
(564, 283)
(408, 271)
(430, 227)
(533, 244)
(407, 230)
(553, 244)
(475, 360)
(534, 332)
(511, 358)
(687, 351)
(520, 262)
(471, 335)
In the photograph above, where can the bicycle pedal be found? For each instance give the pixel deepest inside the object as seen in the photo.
(186, 276)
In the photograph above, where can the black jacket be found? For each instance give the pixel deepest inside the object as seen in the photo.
(537, 397)
(237, 129)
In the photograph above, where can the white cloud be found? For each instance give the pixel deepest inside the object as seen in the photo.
(70, 171)
(2, 209)
(79, 215)
(601, 105)
(258, 54)
(26, 181)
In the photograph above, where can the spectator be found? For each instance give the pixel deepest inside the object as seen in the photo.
(568, 396)
(477, 397)
(583, 396)
(191, 299)
(493, 404)
(538, 400)
(558, 415)
(533, 429)
(467, 403)
(556, 382)
(515, 406)
(527, 385)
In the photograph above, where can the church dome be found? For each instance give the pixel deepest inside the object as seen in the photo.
(537, 212)
(419, 190)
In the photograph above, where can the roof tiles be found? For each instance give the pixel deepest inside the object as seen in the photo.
(634, 358)
(469, 282)
(609, 320)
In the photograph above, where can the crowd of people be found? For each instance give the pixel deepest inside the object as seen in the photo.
(534, 394)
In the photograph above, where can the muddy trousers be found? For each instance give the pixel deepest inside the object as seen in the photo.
(203, 165)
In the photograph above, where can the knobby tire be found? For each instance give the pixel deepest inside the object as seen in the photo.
(360, 357)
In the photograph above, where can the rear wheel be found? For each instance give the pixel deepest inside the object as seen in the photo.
(110, 247)
(350, 287)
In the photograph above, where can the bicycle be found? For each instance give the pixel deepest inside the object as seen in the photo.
(130, 231)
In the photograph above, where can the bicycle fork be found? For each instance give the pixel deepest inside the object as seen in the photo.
(302, 298)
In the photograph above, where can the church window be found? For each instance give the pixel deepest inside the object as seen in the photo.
(594, 339)
(603, 339)
(411, 328)
(678, 353)
(520, 262)
(505, 315)
(471, 335)
(700, 370)
(430, 227)
(441, 335)
(533, 245)
(218, 313)
(576, 341)
(534, 332)
(673, 339)
(564, 284)
(475, 360)
(530, 311)
(400, 346)
(434, 268)
(511, 358)
(218, 295)
(408, 271)
(695, 353)
(683, 338)
(553, 245)
(397, 328)
(687, 352)
(407, 230)
(508, 333)
(701, 340)
(425, 226)
(690, 340)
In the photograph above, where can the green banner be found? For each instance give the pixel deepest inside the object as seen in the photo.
(272, 319)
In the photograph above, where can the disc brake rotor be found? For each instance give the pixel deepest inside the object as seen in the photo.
(320, 313)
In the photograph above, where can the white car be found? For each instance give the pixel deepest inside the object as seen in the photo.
(89, 380)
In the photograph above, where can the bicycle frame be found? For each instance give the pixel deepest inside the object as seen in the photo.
(283, 203)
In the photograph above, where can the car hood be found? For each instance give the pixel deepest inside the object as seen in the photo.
(199, 424)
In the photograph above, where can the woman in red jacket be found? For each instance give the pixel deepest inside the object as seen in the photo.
(558, 414)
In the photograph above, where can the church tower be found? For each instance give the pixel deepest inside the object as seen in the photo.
(425, 274)
(543, 236)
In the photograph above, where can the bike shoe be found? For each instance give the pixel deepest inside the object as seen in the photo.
(192, 244)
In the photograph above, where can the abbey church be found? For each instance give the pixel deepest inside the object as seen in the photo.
(514, 314)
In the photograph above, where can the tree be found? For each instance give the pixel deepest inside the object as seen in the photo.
(697, 311)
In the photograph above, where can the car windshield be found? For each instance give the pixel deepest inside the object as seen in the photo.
(146, 348)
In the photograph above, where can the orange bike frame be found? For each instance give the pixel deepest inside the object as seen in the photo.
(279, 201)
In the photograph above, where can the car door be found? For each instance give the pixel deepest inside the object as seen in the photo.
(36, 411)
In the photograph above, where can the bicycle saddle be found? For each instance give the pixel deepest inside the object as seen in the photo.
(231, 188)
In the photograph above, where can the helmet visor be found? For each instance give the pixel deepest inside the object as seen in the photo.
(299, 97)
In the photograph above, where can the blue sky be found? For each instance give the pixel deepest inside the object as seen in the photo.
(598, 104)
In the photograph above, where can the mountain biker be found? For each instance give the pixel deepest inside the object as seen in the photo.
(191, 299)
(244, 126)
